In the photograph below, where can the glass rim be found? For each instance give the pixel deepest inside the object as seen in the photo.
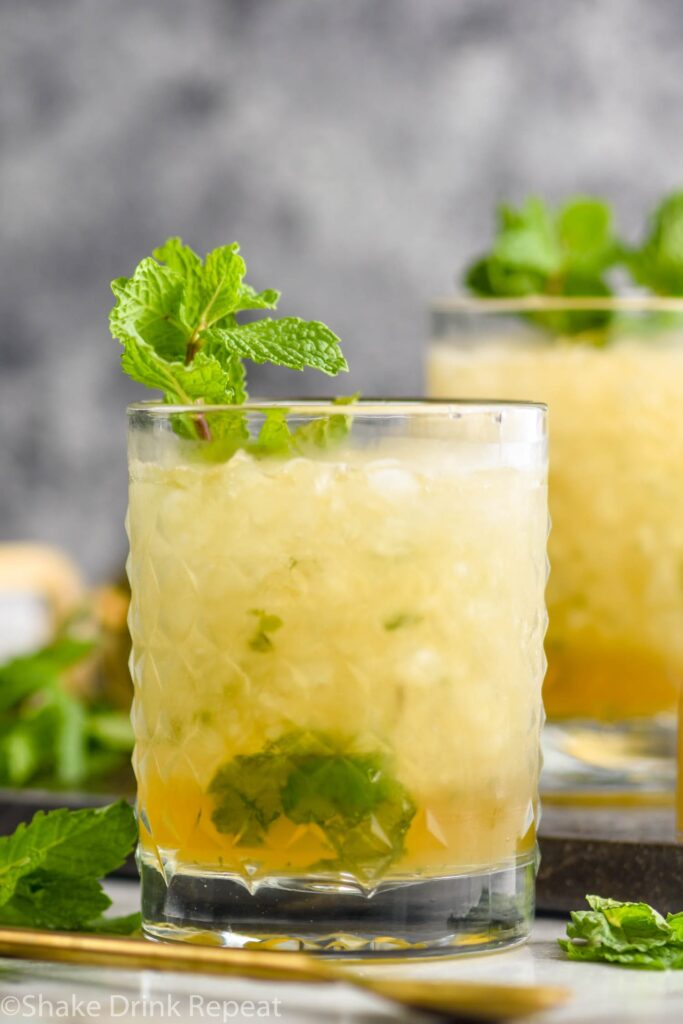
(557, 303)
(360, 407)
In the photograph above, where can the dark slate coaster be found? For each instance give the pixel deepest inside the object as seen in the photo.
(627, 853)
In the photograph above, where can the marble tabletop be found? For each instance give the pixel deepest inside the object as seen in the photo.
(31, 991)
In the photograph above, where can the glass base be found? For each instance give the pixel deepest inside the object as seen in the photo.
(632, 756)
(437, 916)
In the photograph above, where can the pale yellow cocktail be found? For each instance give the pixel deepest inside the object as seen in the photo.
(337, 655)
(615, 593)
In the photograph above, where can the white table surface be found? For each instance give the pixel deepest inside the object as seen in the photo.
(599, 992)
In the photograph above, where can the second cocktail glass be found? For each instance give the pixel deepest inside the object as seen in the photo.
(610, 372)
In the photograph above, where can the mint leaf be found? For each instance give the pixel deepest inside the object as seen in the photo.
(675, 923)
(658, 263)
(527, 241)
(49, 869)
(636, 922)
(632, 934)
(45, 731)
(112, 730)
(148, 309)
(372, 845)
(276, 439)
(176, 318)
(224, 269)
(70, 740)
(288, 342)
(311, 777)
(247, 792)
(204, 378)
(364, 812)
(44, 900)
(126, 924)
(536, 252)
(27, 746)
(326, 431)
(323, 788)
(251, 299)
(540, 252)
(585, 239)
(185, 262)
(401, 620)
(214, 289)
(261, 641)
(87, 843)
(23, 676)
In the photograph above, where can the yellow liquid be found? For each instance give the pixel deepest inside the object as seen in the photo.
(615, 593)
(679, 778)
(410, 590)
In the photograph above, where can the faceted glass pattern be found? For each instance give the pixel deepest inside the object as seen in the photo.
(337, 655)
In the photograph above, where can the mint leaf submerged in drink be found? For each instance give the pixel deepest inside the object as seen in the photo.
(277, 438)
(631, 934)
(314, 778)
(177, 318)
(50, 869)
(261, 640)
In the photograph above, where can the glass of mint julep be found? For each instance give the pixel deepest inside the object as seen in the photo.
(553, 316)
(337, 618)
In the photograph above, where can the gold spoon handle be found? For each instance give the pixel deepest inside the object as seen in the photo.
(141, 954)
(470, 999)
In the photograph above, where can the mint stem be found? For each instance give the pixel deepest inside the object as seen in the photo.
(203, 428)
(201, 425)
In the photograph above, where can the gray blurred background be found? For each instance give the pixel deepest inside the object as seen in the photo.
(355, 149)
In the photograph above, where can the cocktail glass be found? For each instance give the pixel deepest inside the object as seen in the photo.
(337, 631)
(615, 594)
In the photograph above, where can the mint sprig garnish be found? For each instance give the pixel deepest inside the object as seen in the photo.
(631, 934)
(309, 777)
(537, 251)
(177, 319)
(570, 253)
(50, 869)
(658, 263)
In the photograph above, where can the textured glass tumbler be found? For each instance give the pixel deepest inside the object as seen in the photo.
(611, 373)
(337, 619)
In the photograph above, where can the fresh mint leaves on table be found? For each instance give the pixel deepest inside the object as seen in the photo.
(50, 869)
(631, 934)
(177, 319)
(311, 777)
(47, 733)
